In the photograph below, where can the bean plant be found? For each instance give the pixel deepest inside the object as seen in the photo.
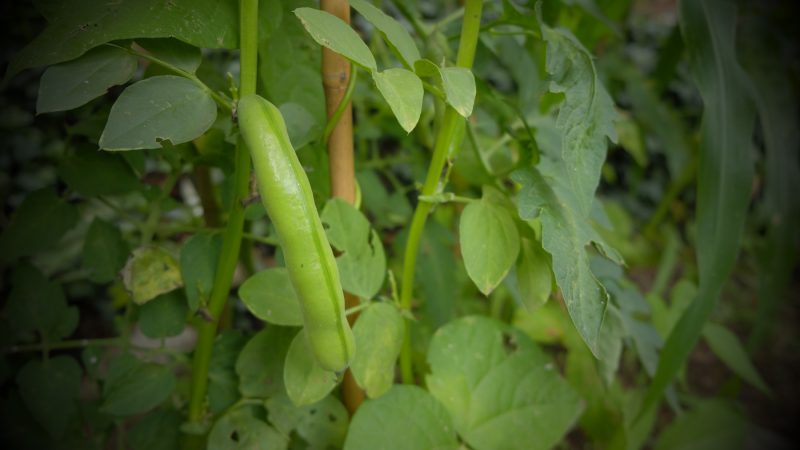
(435, 224)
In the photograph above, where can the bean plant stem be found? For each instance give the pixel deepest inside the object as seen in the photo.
(449, 136)
(232, 236)
(337, 114)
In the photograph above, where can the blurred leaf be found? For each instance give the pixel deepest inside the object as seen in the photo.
(72, 84)
(306, 382)
(406, 418)
(158, 109)
(179, 54)
(270, 296)
(240, 430)
(133, 387)
(322, 425)
(157, 431)
(50, 389)
(402, 89)
(150, 272)
(330, 31)
(393, 32)
(727, 347)
(260, 363)
(223, 383)
(501, 390)
(93, 173)
(534, 276)
(711, 425)
(379, 335)
(37, 225)
(164, 316)
(199, 256)
(104, 251)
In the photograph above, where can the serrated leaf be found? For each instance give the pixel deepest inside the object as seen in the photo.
(198, 261)
(322, 425)
(270, 296)
(240, 430)
(164, 316)
(260, 363)
(489, 243)
(37, 225)
(403, 90)
(406, 418)
(134, 387)
(330, 31)
(72, 84)
(727, 347)
(306, 382)
(80, 26)
(379, 335)
(104, 251)
(393, 32)
(500, 388)
(158, 109)
(150, 272)
(92, 173)
(50, 390)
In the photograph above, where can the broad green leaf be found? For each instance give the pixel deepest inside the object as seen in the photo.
(157, 431)
(164, 316)
(379, 333)
(260, 363)
(459, 89)
(406, 418)
(727, 347)
(72, 84)
(92, 172)
(37, 225)
(438, 270)
(306, 382)
(711, 425)
(134, 387)
(172, 51)
(199, 256)
(322, 425)
(38, 304)
(725, 171)
(155, 110)
(402, 89)
(223, 383)
(269, 295)
(150, 272)
(330, 31)
(80, 26)
(501, 390)
(240, 430)
(534, 276)
(585, 118)
(489, 243)
(395, 34)
(50, 390)
(362, 261)
(104, 251)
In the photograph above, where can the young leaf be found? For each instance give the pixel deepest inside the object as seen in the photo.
(402, 89)
(37, 225)
(393, 32)
(80, 26)
(164, 316)
(93, 173)
(198, 262)
(407, 417)
(379, 335)
(727, 347)
(269, 295)
(157, 109)
(50, 390)
(330, 31)
(322, 425)
(134, 387)
(104, 251)
(150, 272)
(72, 84)
(240, 430)
(501, 390)
(260, 363)
(306, 382)
(459, 89)
(489, 243)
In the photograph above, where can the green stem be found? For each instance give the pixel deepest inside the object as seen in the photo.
(449, 136)
(232, 236)
(337, 114)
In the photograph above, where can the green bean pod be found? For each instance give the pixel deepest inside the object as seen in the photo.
(287, 197)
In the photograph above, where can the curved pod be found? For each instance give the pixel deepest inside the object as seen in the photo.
(287, 197)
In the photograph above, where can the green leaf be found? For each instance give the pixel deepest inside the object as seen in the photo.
(179, 54)
(157, 431)
(306, 382)
(459, 89)
(223, 383)
(37, 225)
(322, 425)
(38, 304)
(72, 84)
(438, 270)
(150, 272)
(93, 173)
(362, 261)
(727, 347)
(240, 430)
(158, 109)
(489, 243)
(711, 425)
(80, 26)
(393, 32)
(534, 276)
(725, 171)
(260, 363)
(402, 89)
(164, 316)
(501, 390)
(199, 256)
(379, 333)
(406, 418)
(50, 390)
(330, 31)
(134, 387)
(585, 118)
(269, 295)
(104, 251)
